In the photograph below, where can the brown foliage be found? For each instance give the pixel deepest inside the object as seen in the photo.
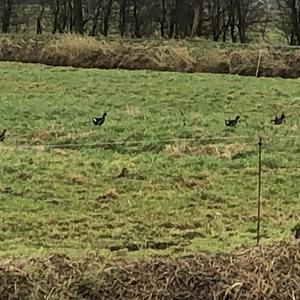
(268, 272)
(88, 52)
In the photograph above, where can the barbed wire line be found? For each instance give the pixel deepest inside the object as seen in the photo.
(252, 138)
(294, 136)
(133, 142)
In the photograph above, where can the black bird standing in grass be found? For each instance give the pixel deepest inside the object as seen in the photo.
(124, 173)
(99, 121)
(2, 136)
(232, 122)
(279, 120)
(296, 231)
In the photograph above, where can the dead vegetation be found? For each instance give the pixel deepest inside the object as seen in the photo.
(88, 52)
(39, 137)
(268, 272)
(224, 151)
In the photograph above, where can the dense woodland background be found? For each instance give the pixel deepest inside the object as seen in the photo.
(218, 20)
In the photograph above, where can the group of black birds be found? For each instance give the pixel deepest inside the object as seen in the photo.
(229, 122)
(98, 121)
(277, 121)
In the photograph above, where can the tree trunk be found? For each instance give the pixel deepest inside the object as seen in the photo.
(39, 27)
(64, 16)
(231, 21)
(201, 19)
(122, 17)
(56, 13)
(298, 9)
(215, 20)
(225, 27)
(228, 23)
(173, 28)
(95, 21)
(137, 25)
(196, 20)
(6, 15)
(107, 17)
(292, 40)
(163, 18)
(295, 20)
(78, 18)
(241, 22)
(71, 16)
(232, 29)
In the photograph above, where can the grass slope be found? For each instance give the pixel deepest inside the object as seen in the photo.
(179, 197)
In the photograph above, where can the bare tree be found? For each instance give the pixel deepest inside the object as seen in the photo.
(249, 14)
(64, 16)
(289, 16)
(198, 6)
(39, 27)
(78, 16)
(229, 20)
(241, 14)
(55, 5)
(122, 16)
(181, 19)
(136, 20)
(106, 17)
(6, 15)
(71, 15)
(216, 10)
(95, 19)
(163, 17)
(216, 19)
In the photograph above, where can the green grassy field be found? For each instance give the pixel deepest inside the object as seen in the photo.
(180, 197)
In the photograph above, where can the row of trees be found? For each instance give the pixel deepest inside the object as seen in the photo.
(216, 19)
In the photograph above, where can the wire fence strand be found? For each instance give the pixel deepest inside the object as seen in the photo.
(130, 142)
(249, 138)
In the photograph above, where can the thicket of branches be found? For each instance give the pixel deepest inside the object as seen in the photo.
(219, 20)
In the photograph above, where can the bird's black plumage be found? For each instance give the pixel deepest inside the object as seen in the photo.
(296, 231)
(279, 120)
(232, 122)
(2, 135)
(124, 173)
(98, 121)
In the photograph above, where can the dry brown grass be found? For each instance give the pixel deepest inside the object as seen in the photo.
(268, 272)
(39, 137)
(244, 62)
(21, 50)
(88, 52)
(76, 179)
(80, 51)
(226, 151)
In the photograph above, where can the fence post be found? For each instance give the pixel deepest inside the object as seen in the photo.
(258, 63)
(259, 191)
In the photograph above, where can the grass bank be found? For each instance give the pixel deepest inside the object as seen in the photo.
(181, 56)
